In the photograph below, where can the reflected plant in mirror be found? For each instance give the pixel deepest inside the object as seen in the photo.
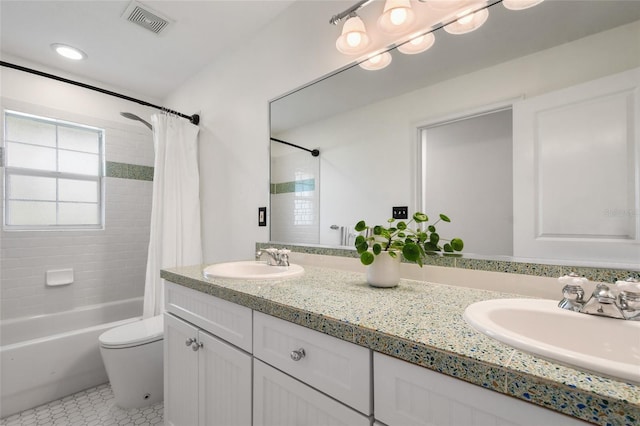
(414, 242)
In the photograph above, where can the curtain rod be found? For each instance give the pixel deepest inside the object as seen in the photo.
(313, 152)
(195, 118)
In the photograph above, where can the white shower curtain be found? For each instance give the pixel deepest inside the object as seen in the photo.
(175, 212)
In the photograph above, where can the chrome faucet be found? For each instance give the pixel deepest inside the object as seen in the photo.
(277, 257)
(572, 292)
(622, 302)
(603, 303)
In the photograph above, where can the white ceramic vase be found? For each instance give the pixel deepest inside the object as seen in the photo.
(384, 271)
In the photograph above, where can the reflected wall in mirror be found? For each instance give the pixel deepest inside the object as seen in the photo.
(569, 178)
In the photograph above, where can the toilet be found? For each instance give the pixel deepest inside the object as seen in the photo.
(133, 357)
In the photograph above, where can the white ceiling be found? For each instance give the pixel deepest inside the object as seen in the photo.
(122, 54)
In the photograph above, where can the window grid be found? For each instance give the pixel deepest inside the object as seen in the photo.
(11, 222)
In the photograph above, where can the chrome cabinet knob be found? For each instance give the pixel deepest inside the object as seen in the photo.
(190, 340)
(298, 354)
(196, 345)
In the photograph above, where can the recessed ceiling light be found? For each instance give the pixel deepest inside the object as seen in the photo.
(68, 51)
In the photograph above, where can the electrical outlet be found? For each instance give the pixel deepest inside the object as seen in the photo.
(400, 212)
(262, 216)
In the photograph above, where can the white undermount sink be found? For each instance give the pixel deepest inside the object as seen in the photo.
(610, 347)
(251, 270)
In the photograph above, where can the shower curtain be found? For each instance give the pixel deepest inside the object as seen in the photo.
(175, 212)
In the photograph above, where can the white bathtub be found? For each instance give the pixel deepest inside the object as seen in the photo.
(48, 357)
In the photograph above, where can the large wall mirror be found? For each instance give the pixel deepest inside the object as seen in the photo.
(525, 132)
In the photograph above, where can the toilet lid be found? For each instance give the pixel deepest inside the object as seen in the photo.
(134, 334)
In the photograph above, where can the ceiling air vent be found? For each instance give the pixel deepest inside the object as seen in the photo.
(145, 17)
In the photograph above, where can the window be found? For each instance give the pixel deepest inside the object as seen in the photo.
(53, 173)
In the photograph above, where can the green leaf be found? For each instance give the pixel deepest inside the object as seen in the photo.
(362, 247)
(402, 225)
(430, 247)
(457, 244)
(377, 230)
(434, 238)
(444, 218)
(431, 228)
(393, 254)
(360, 226)
(377, 248)
(447, 248)
(359, 240)
(391, 220)
(420, 217)
(367, 258)
(411, 252)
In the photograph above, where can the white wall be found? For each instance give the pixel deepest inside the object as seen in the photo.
(109, 264)
(232, 96)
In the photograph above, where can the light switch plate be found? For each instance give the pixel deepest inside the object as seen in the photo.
(400, 212)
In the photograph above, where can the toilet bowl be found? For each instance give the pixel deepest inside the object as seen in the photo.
(133, 355)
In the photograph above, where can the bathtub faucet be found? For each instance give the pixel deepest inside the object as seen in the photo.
(277, 257)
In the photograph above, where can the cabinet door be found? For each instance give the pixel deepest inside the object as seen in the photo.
(180, 373)
(338, 368)
(409, 395)
(280, 400)
(224, 382)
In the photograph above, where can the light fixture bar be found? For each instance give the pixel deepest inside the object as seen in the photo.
(347, 12)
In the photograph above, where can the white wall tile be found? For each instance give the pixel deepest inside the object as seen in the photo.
(108, 264)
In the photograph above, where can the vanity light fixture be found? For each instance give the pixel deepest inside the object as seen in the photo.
(397, 16)
(68, 52)
(520, 4)
(354, 39)
(376, 61)
(467, 21)
(417, 44)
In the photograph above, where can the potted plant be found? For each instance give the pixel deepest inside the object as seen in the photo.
(382, 247)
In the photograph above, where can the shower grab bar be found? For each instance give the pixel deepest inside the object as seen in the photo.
(194, 119)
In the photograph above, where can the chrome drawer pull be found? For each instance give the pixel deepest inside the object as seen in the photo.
(196, 345)
(298, 355)
(190, 340)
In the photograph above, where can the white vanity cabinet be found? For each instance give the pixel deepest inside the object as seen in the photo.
(207, 380)
(301, 374)
(408, 395)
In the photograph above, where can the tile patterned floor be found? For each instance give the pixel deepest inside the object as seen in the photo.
(92, 407)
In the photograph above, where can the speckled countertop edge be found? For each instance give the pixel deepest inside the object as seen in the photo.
(422, 323)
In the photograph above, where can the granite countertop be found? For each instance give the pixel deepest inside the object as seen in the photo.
(422, 323)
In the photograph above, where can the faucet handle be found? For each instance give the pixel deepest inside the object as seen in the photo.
(629, 298)
(572, 292)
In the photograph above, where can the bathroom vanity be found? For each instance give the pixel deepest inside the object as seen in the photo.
(325, 348)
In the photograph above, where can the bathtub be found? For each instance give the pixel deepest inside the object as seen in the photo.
(47, 357)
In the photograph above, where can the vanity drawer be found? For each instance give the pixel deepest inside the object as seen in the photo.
(333, 366)
(223, 319)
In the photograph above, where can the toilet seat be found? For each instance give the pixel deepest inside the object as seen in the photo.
(135, 334)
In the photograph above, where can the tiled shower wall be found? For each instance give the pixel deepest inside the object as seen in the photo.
(295, 198)
(108, 264)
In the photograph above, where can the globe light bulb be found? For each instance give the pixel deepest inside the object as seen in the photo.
(398, 16)
(416, 41)
(465, 17)
(354, 39)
